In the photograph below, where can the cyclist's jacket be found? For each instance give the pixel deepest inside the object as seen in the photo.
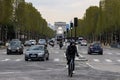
(71, 51)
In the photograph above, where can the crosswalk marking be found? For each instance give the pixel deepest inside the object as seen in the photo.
(10, 60)
(6, 60)
(110, 53)
(96, 60)
(108, 60)
(56, 52)
(118, 60)
(57, 60)
(117, 53)
(18, 60)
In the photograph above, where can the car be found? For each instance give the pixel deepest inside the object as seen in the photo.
(83, 43)
(27, 43)
(95, 48)
(15, 40)
(33, 42)
(1, 43)
(37, 52)
(42, 42)
(80, 39)
(52, 43)
(15, 47)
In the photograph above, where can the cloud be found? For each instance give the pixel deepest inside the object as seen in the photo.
(62, 10)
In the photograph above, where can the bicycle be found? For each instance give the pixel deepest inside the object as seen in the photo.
(70, 68)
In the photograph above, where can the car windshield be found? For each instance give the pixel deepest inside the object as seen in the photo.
(42, 41)
(15, 43)
(96, 44)
(36, 48)
(27, 42)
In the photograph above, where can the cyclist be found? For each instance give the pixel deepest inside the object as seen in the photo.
(71, 52)
(60, 44)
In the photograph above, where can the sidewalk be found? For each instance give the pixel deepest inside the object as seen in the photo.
(109, 47)
(106, 46)
(2, 47)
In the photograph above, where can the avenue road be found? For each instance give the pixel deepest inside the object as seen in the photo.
(98, 67)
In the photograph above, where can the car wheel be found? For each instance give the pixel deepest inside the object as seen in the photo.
(47, 58)
(8, 53)
(89, 52)
(44, 58)
(101, 53)
(26, 59)
(21, 53)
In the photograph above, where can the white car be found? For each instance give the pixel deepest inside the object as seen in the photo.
(33, 42)
(83, 43)
(42, 42)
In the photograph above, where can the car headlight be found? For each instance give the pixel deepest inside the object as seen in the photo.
(9, 48)
(41, 53)
(18, 48)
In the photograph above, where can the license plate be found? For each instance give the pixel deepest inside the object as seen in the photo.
(33, 56)
(96, 51)
(13, 50)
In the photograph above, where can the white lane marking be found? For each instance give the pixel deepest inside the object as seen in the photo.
(118, 60)
(80, 55)
(56, 59)
(4, 52)
(108, 60)
(117, 53)
(90, 65)
(56, 52)
(6, 72)
(96, 60)
(6, 60)
(110, 53)
(64, 54)
(18, 59)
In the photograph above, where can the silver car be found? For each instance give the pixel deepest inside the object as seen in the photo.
(37, 52)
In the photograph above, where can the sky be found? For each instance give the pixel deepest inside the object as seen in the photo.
(62, 10)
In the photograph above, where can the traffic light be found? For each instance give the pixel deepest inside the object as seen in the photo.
(75, 22)
(71, 25)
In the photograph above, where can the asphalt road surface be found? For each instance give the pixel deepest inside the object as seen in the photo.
(98, 67)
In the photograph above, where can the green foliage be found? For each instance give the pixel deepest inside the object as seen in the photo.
(24, 18)
(101, 21)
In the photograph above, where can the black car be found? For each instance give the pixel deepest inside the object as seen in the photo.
(95, 48)
(15, 47)
(37, 52)
(1, 43)
(27, 43)
(52, 43)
